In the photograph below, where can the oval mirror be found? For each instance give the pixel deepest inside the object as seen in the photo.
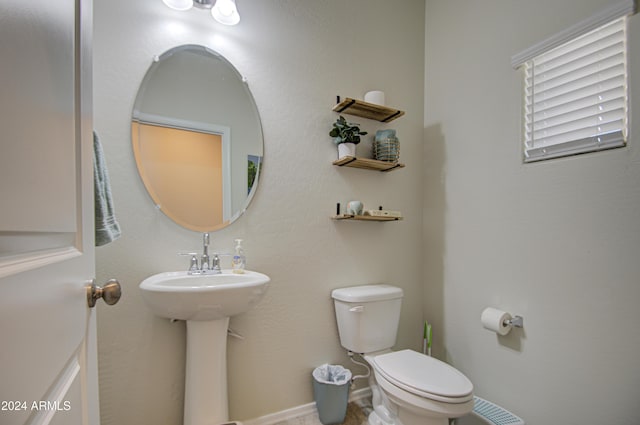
(197, 138)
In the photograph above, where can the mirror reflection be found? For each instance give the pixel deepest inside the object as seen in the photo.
(197, 138)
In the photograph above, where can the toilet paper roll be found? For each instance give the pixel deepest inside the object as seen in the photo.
(494, 320)
(374, 96)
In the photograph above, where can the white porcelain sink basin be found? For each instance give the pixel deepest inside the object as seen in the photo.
(178, 295)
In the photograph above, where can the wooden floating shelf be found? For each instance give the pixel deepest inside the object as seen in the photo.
(367, 164)
(368, 110)
(364, 217)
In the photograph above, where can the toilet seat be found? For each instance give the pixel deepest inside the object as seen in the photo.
(424, 376)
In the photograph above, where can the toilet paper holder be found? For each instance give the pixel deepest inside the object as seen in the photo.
(515, 321)
(500, 321)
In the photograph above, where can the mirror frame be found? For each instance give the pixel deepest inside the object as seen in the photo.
(179, 124)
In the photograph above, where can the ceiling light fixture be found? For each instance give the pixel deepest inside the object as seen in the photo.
(179, 4)
(223, 11)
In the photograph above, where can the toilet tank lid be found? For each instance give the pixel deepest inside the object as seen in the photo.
(364, 293)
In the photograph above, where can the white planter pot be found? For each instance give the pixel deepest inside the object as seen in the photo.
(346, 149)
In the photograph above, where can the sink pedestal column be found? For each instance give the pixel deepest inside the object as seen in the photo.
(205, 398)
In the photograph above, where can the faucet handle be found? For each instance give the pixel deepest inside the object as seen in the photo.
(215, 263)
(193, 264)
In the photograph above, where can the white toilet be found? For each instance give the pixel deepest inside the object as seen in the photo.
(409, 388)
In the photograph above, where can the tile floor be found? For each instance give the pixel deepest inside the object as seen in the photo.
(357, 412)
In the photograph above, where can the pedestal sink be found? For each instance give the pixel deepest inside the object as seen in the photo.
(206, 302)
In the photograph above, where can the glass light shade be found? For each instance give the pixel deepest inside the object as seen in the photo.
(225, 12)
(179, 4)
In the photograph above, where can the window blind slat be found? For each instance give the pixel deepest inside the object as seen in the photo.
(596, 93)
(598, 138)
(567, 113)
(576, 95)
(588, 144)
(596, 122)
(609, 68)
(609, 55)
(576, 135)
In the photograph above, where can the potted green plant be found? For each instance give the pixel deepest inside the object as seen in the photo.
(346, 135)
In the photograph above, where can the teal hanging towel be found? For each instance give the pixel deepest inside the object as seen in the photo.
(107, 227)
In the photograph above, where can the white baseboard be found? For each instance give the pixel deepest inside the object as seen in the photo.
(303, 410)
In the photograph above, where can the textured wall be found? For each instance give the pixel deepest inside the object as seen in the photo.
(297, 57)
(556, 241)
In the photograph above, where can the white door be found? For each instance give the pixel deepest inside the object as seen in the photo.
(48, 366)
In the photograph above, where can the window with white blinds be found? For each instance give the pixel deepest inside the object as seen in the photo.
(576, 95)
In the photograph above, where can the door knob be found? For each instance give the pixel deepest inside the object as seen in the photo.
(110, 292)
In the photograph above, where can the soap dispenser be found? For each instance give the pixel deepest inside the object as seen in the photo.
(239, 259)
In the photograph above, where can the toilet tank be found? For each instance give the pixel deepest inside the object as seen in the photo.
(367, 316)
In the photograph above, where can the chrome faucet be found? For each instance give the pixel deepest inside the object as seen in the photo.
(204, 261)
(207, 265)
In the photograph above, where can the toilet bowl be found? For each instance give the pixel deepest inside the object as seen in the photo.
(421, 387)
(409, 388)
